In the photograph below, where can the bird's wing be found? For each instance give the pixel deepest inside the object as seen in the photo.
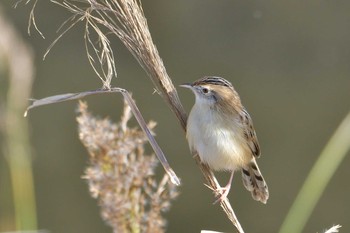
(249, 133)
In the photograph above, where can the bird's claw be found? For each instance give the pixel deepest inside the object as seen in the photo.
(220, 192)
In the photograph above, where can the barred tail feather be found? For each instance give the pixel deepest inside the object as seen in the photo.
(254, 182)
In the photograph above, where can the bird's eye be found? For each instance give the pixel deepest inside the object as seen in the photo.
(205, 90)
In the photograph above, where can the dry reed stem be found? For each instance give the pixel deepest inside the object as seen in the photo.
(125, 19)
(136, 37)
(128, 99)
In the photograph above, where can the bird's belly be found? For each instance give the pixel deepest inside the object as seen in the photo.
(219, 147)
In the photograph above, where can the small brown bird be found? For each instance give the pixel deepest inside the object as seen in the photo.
(220, 129)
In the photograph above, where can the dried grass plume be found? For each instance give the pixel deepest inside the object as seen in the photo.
(121, 176)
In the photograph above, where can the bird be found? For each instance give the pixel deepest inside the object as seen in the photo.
(221, 131)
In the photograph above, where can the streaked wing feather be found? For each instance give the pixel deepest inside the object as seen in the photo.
(250, 134)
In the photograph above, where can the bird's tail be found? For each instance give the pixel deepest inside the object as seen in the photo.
(254, 182)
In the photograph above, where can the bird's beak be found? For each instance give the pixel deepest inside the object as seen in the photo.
(186, 85)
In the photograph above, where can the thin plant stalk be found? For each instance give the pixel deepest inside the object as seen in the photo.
(17, 147)
(326, 165)
(127, 97)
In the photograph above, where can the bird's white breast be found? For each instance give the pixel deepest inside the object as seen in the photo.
(219, 142)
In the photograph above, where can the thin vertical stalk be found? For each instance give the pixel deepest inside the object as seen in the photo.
(318, 178)
(16, 147)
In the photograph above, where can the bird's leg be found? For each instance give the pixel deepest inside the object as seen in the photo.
(222, 192)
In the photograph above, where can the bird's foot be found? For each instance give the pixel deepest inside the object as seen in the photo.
(221, 192)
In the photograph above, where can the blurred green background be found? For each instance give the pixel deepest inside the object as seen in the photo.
(289, 60)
